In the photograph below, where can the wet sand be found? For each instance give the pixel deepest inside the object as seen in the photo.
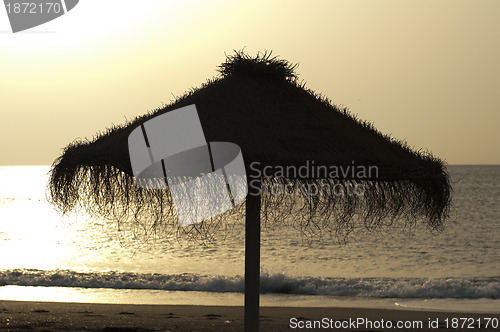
(54, 316)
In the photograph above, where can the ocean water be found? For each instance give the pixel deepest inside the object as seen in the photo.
(48, 257)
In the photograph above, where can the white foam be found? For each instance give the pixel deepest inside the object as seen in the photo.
(459, 288)
(458, 305)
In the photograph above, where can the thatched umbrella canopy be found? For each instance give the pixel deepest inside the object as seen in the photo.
(280, 126)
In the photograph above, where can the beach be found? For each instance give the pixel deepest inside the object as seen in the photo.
(249, 166)
(54, 316)
(180, 286)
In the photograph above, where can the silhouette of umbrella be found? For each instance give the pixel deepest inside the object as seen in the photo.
(334, 172)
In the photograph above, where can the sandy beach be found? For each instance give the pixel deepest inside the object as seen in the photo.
(54, 316)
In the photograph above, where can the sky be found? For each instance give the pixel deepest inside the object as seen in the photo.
(424, 71)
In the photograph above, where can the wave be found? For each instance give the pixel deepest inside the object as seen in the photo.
(469, 288)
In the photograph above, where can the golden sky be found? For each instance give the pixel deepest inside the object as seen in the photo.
(424, 71)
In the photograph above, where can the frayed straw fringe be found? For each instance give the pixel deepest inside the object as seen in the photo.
(259, 104)
(105, 192)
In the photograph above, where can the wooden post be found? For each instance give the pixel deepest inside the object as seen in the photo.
(252, 256)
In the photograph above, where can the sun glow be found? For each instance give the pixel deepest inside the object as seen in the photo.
(93, 29)
(106, 60)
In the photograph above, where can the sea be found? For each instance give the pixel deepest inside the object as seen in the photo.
(46, 256)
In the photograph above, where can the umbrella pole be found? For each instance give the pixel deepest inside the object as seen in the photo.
(252, 256)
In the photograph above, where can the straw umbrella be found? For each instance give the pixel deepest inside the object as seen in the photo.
(291, 138)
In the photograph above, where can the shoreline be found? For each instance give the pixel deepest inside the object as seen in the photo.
(49, 316)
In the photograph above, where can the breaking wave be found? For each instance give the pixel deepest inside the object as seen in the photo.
(468, 288)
